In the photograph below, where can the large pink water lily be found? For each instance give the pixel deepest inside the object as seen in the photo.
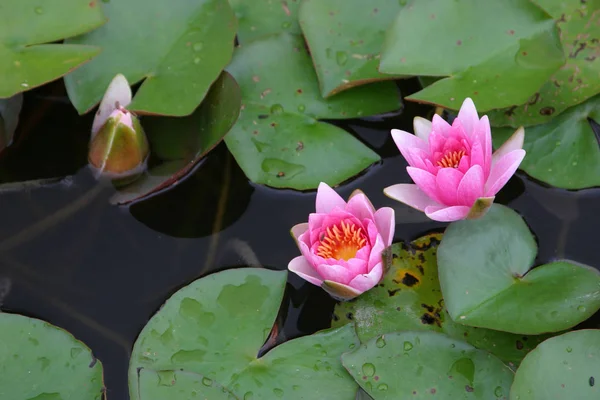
(455, 173)
(342, 243)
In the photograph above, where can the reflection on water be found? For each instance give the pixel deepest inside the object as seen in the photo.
(100, 271)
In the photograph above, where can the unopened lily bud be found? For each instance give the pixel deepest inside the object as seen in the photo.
(119, 149)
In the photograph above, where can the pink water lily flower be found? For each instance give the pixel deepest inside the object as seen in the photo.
(342, 243)
(455, 173)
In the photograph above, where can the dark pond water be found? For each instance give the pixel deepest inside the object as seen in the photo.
(101, 271)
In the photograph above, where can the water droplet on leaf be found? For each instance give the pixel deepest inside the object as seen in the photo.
(380, 342)
(368, 369)
(499, 392)
(39, 10)
(408, 346)
(207, 381)
(341, 57)
(277, 109)
(197, 46)
(382, 388)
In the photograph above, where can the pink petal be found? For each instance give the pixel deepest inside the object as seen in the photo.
(515, 142)
(118, 91)
(486, 137)
(360, 207)
(425, 181)
(334, 272)
(304, 270)
(385, 221)
(357, 266)
(436, 142)
(477, 156)
(375, 256)
(410, 195)
(406, 141)
(447, 214)
(502, 170)
(417, 157)
(471, 186)
(298, 230)
(440, 126)
(468, 116)
(362, 283)
(422, 128)
(327, 199)
(315, 221)
(447, 181)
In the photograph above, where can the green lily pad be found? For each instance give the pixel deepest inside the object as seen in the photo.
(574, 82)
(345, 39)
(257, 18)
(409, 299)
(215, 328)
(484, 269)
(278, 140)
(182, 142)
(563, 368)
(161, 385)
(564, 152)
(26, 28)
(178, 48)
(497, 61)
(422, 365)
(42, 362)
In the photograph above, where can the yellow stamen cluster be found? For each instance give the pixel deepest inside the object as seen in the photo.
(342, 241)
(451, 159)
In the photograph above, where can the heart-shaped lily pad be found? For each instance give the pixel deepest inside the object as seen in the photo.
(215, 328)
(178, 48)
(424, 365)
(575, 81)
(409, 299)
(278, 140)
(42, 362)
(26, 29)
(345, 39)
(257, 18)
(564, 152)
(484, 269)
(564, 367)
(497, 61)
(181, 142)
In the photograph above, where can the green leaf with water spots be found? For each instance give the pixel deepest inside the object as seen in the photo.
(563, 368)
(215, 328)
(27, 30)
(278, 139)
(487, 281)
(161, 385)
(177, 48)
(258, 18)
(565, 152)
(345, 38)
(39, 361)
(424, 365)
(181, 142)
(409, 299)
(573, 83)
(497, 61)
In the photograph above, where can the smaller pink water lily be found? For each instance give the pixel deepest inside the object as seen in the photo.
(342, 243)
(455, 173)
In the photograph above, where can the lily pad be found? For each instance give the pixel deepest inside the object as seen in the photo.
(182, 142)
(161, 385)
(26, 29)
(278, 140)
(574, 82)
(178, 48)
(422, 365)
(484, 269)
(9, 118)
(564, 152)
(257, 18)
(563, 368)
(409, 299)
(497, 61)
(42, 362)
(345, 39)
(215, 328)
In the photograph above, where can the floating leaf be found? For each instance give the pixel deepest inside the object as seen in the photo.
(179, 48)
(564, 152)
(484, 270)
(345, 40)
(422, 365)
(497, 61)
(257, 18)
(573, 83)
(161, 385)
(26, 28)
(182, 142)
(216, 326)
(9, 118)
(563, 368)
(409, 299)
(42, 362)
(278, 140)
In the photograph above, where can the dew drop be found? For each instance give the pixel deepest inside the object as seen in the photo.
(402, 2)
(278, 392)
(341, 57)
(207, 381)
(197, 60)
(286, 25)
(499, 392)
(408, 346)
(368, 369)
(277, 109)
(581, 308)
(75, 351)
(301, 107)
(248, 395)
(380, 342)
(198, 46)
(382, 388)
(569, 349)
(39, 10)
